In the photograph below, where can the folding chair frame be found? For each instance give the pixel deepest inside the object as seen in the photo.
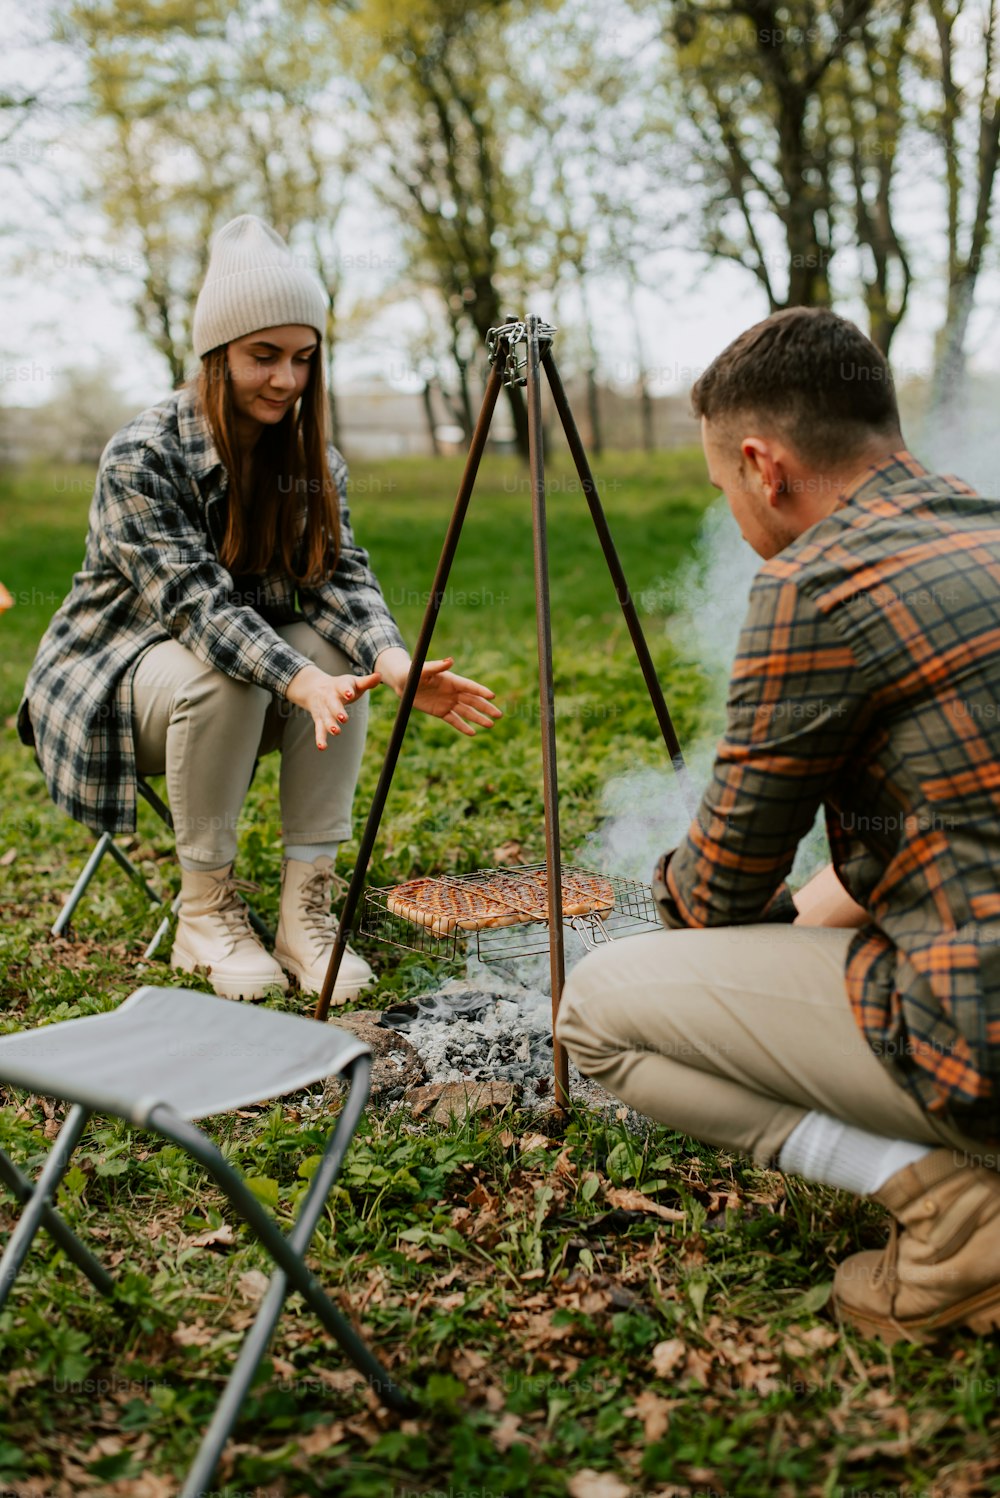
(106, 844)
(287, 1252)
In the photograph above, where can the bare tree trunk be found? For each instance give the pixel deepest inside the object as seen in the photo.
(425, 396)
(642, 376)
(594, 412)
(333, 405)
(947, 386)
(593, 401)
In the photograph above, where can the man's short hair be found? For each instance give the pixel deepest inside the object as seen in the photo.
(812, 376)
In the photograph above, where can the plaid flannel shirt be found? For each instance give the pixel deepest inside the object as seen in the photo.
(151, 572)
(867, 680)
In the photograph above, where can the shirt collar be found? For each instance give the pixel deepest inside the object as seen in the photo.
(900, 468)
(200, 453)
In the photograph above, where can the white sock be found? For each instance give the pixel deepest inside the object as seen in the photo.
(309, 852)
(832, 1153)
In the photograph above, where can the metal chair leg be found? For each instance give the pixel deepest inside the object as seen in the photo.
(124, 862)
(161, 929)
(104, 842)
(45, 1188)
(57, 1229)
(290, 1272)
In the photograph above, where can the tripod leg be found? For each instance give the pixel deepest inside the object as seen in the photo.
(550, 784)
(353, 896)
(618, 578)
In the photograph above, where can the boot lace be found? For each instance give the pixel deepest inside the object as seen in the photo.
(226, 904)
(887, 1272)
(316, 894)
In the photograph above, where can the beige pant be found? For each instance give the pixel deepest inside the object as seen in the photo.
(732, 1035)
(205, 732)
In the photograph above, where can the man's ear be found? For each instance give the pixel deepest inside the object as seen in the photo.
(761, 457)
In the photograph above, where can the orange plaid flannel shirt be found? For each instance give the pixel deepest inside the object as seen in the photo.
(867, 680)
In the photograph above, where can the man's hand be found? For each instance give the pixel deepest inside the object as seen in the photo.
(456, 700)
(327, 698)
(825, 902)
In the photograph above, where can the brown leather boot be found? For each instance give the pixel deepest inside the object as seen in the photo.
(943, 1268)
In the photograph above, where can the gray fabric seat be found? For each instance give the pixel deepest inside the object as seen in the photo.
(198, 1054)
(164, 1057)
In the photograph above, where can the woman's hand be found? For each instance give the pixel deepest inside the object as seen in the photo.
(327, 698)
(454, 699)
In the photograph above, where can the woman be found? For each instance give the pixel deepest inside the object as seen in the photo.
(225, 610)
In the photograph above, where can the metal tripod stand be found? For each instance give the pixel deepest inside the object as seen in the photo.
(506, 368)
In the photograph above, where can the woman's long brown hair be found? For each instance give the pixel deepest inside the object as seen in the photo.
(290, 510)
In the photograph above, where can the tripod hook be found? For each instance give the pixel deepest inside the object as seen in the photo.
(502, 341)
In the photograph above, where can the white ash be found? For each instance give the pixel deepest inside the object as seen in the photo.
(493, 1024)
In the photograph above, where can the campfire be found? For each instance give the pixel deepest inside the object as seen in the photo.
(495, 1022)
(507, 912)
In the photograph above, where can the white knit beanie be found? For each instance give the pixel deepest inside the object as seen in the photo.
(253, 282)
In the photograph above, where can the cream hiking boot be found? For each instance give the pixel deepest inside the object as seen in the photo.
(214, 936)
(307, 931)
(942, 1268)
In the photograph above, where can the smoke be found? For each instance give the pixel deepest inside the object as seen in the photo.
(962, 439)
(647, 812)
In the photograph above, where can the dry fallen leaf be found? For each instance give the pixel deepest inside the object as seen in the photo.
(338, 1379)
(318, 1441)
(564, 1166)
(637, 1201)
(253, 1284)
(220, 1237)
(146, 1486)
(654, 1412)
(591, 1484)
(195, 1335)
(666, 1356)
(512, 852)
(507, 1432)
(805, 1342)
(104, 1446)
(698, 1365)
(867, 1449)
(8, 858)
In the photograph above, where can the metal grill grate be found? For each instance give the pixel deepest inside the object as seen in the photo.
(633, 912)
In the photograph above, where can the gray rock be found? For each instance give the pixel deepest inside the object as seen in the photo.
(396, 1065)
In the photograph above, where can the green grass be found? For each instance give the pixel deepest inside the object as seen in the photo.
(488, 1267)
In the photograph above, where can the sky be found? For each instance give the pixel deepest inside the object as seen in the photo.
(67, 295)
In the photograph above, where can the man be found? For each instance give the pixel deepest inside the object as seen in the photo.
(850, 1034)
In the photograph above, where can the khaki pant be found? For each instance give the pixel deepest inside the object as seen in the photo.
(731, 1035)
(205, 731)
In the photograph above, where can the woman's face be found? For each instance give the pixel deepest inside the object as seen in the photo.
(269, 370)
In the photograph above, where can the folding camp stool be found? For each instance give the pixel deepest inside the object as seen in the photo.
(163, 1058)
(106, 844)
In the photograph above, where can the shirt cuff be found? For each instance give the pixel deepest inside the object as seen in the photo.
(780, 909)
(372, 643)
(277, 667)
